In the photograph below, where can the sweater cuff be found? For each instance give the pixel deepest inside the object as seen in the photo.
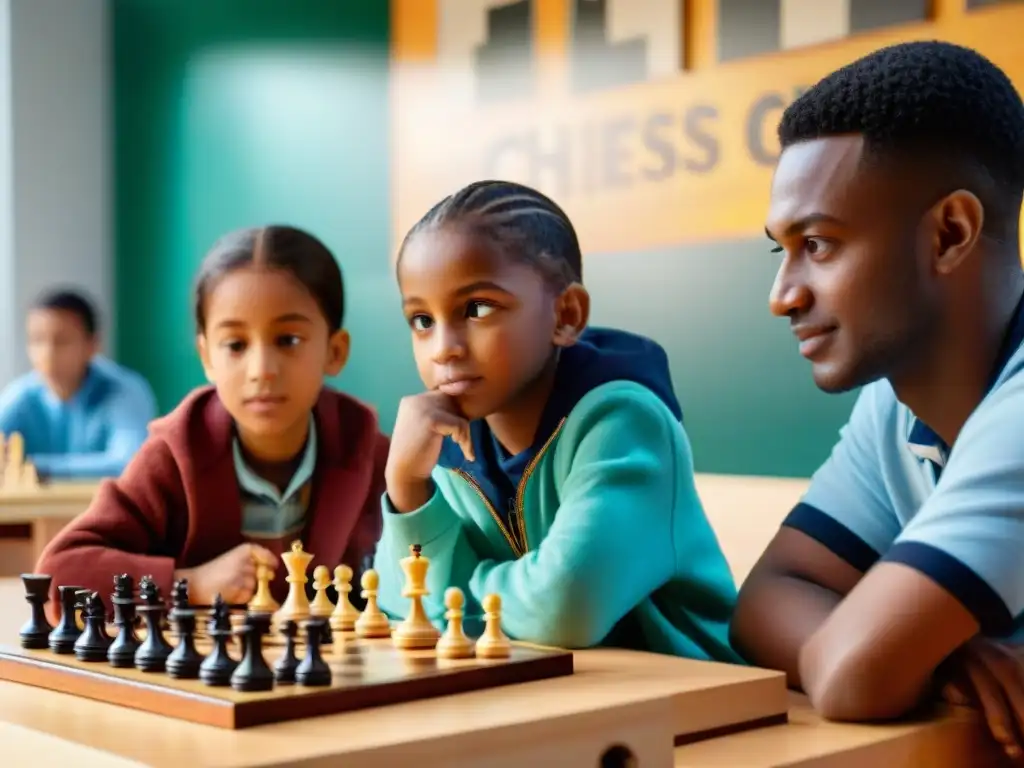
(421, 526)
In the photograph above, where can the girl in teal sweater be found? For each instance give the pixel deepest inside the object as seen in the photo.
(547, 461)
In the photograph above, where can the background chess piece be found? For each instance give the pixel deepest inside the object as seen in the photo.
(296, 604)
(17, 473)
(493, 644)
(321, 607)
(415, 631)
(453, 643)
(372, 622)
(343, 618)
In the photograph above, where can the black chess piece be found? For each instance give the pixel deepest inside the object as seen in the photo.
(179, 598)
(35, 633)
(122, 651)
(93, 643)
(327, 635)
(62, 639)
(252, 672)
(313, 670)
(152, 653)
(184, 661)
(284, 669)
(217, 668)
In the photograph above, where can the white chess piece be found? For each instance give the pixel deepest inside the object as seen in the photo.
(493, 643)
(454, 644)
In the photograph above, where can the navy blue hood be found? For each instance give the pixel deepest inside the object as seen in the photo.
(600, 356)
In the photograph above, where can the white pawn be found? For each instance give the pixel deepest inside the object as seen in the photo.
(493, 643)
(344, 615)
(372, 622)
(453, 643)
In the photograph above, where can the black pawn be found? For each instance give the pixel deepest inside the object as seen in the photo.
(284, 669)
(313, 670)
(122, 651)
(184, 661)
(216, 669)
(252, 672)
(36, 631)
(152, 653)
(93, 643)
(62, 639)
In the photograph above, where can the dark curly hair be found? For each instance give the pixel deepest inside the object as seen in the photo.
(527, 224)
(943, 106)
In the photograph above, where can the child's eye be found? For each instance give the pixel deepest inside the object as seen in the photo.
(420, 322)
(289, 341)
(235, 346)
(479, 309)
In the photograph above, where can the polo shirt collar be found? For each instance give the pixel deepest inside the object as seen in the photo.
(921, 439)
(257, 486)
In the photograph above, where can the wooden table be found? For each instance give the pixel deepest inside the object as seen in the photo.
(641, 700)
(46, 510)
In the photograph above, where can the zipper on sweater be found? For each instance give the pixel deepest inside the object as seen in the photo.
(515, 533)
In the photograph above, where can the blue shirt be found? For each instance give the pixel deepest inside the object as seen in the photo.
(94, 434)
(892, 491)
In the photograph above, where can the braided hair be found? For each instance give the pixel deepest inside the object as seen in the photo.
(523, 222)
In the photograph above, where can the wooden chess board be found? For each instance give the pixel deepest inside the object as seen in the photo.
(365, 673)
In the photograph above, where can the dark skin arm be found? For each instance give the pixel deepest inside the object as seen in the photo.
(861, 647)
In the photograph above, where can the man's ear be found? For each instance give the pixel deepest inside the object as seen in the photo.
(956, 224)
(572, 313)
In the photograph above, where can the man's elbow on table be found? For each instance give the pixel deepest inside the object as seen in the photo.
(851, 685)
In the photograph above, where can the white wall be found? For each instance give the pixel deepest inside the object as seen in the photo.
(55, 160)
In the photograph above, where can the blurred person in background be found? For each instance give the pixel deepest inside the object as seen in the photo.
(81, 415)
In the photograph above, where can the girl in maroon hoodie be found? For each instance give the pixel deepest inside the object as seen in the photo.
(265, 456)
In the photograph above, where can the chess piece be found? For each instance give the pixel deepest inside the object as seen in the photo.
(493, 644)
(313, 670)
(62, 639)
(80, 597)
(217, 668)
(184, 661)
(454, 644)
(263, 601)
(416, 631)
(296, 604)
(35, 633)
(252, 672)
(321, 607)
(343, 618)
(179, 598)
(14, 460)
(284, 669)
(93, 643)
(152, 653)
(372, 622)
(122, 651)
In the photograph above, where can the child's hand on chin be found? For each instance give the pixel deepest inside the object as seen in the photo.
(422, 423)
(231, 575)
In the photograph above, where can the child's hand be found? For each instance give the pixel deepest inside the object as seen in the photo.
(232, 575)
(422, 423)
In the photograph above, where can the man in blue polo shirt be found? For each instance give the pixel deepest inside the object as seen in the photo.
(81, 415)
(895, 206)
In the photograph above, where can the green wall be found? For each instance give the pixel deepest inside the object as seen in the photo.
(231, 113)
(240, 112)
